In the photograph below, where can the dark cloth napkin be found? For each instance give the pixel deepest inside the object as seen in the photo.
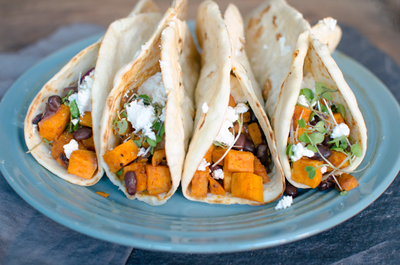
(28, 237)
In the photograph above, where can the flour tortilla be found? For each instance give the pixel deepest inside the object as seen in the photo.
(222, 43)
(314, 57)
(170, 50)
(68, 76)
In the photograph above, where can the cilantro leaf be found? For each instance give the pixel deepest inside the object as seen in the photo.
(320, 127)
(304, 138)
(316, 138)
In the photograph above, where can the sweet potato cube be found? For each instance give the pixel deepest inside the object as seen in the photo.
(89, 144)
(246, 116)
(238, 161)
(259, 169)
(227, 181)
(58, 149)
(300, 113)
(53, 126)
(347, 181)
(299, 174)
(199, 184)
(158, 179)
(217, 154)
(86, 119)
(141, 177)
(208, 155)
(82, 163)
(215, 187)
(159, 157)
(247, 186)
(255, 133)
(336, 159)
(232, 101)
(121, 155)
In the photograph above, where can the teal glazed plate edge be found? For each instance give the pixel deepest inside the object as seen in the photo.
(181, 225)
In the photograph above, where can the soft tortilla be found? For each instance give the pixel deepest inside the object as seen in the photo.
(222, 42)
(68, 76)
(178, 62)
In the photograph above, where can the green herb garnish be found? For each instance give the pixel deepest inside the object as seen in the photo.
(119, 173)
(356, 150)
(289, 150)
(307, 93)
(138, 143)
(46, 141)
(302, 123)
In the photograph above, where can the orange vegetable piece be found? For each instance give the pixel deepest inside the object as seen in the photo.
(121, 155)
(53, 126)
(231, 101)
(247, 186)
(82, 163)
(299, 174)
(158, 179)
(58, 148)
(297, 115)
(236, 129)
(89, 144)
(255, 133)
(215, 187)
(217, 154)
(105, 195)
(336, 159)
(347, 181)
(199, 184)
(238, 161)
(141, 177)
(86, 119)
(246, 117)
(227, 181)
(208, 155)
(159, 157)
(259, 170)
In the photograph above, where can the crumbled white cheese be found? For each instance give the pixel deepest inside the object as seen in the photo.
(218, 174)
(284, 49)
(330, 22)
(162, 116)
(141, 117)
(224, 135)
(203, 165)
(241, 108)
(299, 150)
(154, 88)
(308, 82)
(323, 169)
(70, 147)
(142, 151)
(302, 100)
(162, 64)
(340, 130)
(83, 98)
(34, 128)
(204, 107)
(285, 202)
(74, 121)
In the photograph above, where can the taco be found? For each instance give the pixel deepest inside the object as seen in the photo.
(60, 127)
(232, 158)
(148, 118)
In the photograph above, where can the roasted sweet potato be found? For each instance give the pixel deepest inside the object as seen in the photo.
(121, 155)
(141, 177)
(238, 161)
(209, 154)
(297, 115)
(232, 101)
(159, 157)
(236, 129)
(247, 186)
(199, 184)
(86, 119)
(57, 150)
(82, 163)
(255, 133)
(89, 144)
(246, 117)
(158, 179)
(215, 187)
(227, 181)
(53, 126)
(217, 154)
(336, 159)
(347, 181)
(338, 118)
(259, 169)
(299, 174)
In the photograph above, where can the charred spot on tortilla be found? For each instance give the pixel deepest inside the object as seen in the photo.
(296, 53)
(267, 87)
(278, 36)
(259, 32)
(204, 120)
(273, 21)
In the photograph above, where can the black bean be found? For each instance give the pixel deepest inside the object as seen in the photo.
(325, 151)
(315, 121)
(253, 117)
(326, 184)
(291, 190)
(326, 140)
(86, 74)
(54, 103)
(240, 142)
(73, 88)
(37, 119)
(82, 133)
(130, 182)
(65, 160)
(249, 146)
(262, 153)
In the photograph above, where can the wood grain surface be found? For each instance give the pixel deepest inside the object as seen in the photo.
(23, 22)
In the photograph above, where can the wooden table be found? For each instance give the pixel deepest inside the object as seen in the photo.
(22, 22)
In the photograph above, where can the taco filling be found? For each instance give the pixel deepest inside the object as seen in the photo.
(139, 157)
(238, 160)
(65, 126)
(319, 146)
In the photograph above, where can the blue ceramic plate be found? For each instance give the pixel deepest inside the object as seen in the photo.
(186, 226)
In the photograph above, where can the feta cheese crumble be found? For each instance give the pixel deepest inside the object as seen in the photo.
(218, 174)
(74, 121)
(70, 147)
(284, 49)
(224, 135)
(142, 151)
(323, 169)
(340, 130)
(204, 107)
(299, 150)
(83, 98)
(203, 165)
(285, 202)
(154, 88)
(330, 22)
(241, 108)
(141, 117)
(302, 100)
